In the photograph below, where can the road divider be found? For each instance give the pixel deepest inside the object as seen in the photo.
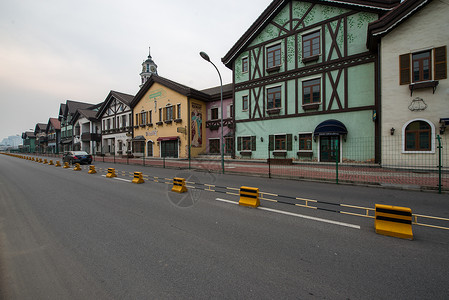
(138, 178)
(77, 167)
(92, 170)
(393, 221)
(249, 196)
(179, 185)
(111, 173)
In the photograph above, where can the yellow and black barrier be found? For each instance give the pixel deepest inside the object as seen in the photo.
(57, 164)
(92, 170)
(50, 163)
(40, 160)
(45, 161)
(249, 196)
(66, 165)
(111, 173)
(179, 185)
(393, 221)
(138, 178)
(77, 167)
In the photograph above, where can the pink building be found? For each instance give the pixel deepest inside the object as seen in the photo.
(213, 121)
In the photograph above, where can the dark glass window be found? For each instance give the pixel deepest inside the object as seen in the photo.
(311, 91)
(417, 136)
(421, 66)
(274, 97)
(311, 44)
(274, 56)
(245, 64)
(305, 142)
(244, 102)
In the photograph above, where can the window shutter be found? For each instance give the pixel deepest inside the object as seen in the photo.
(253, 143)
(271, 142)
(239, 143)
(209, 114)
(148, 117)
(404, 69)
(440, 64)
(289, 142)
(137, 120)
(219, 113)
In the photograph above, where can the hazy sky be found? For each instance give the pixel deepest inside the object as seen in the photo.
(54, 50)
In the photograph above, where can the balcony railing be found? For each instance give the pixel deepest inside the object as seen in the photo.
(215, 124)
(87, 137)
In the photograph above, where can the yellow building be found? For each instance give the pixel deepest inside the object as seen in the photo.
(168, 119)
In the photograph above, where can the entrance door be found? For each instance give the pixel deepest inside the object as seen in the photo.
(169, 148)
(329, 147)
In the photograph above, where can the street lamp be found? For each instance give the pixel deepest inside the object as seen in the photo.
(206, 58)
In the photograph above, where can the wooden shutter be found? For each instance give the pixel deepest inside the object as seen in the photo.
(440, 63)
(404, 69)
(271, 142)
(253, 143)
(289, 142)
(239, 143)
(137, 120)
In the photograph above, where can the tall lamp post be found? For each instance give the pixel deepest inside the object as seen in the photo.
(206, 57)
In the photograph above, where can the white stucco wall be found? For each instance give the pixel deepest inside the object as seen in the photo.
(425, 30)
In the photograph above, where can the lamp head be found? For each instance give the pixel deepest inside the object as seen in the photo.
(205, 56)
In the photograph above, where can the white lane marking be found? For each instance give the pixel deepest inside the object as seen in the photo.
(116, 178)
(298, 215)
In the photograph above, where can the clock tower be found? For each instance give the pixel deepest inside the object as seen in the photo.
(148, 68)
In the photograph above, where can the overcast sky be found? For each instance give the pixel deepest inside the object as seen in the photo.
(54, 50)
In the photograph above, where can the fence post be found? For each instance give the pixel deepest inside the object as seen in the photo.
(439, 163)
(337, 152)
(269, 160)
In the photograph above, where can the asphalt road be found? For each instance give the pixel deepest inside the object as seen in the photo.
(70, 235)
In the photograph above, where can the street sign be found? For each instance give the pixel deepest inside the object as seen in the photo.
(181, 130)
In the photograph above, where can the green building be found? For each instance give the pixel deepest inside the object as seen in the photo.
(305, 83)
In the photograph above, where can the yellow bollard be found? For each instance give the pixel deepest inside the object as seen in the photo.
(138, 177)
(77, 167)
(45, 161)
(111, 173)
(393, 221)
(92, 170)
(179, 185)
(51, 163)
(58, 164)
(249, 196)
(40, 160)
(66, 165)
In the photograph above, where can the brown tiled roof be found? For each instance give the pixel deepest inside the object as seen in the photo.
(125, 98)
(55, 122)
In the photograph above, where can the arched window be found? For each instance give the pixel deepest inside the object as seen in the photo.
(150, 148)
(418, 136)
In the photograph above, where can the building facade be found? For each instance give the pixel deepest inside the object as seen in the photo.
(87, 131)
(41, 137)
(413, 42)
(29, 140)
(53, 132)
(168, 120)
(305, 82)
(115, 116)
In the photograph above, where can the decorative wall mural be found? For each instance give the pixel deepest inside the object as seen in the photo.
(196, 125)
(417, 104)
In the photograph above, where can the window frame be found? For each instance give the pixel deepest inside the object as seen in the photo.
(218, 148)
(283, 138)
(308, 41)
(431, 137)
(212, 113)
(246, 140)
(245, 64)
(268, 93)
(310, 87)
(421, 69)
(274, 55)
(245, 99)
(306, 136)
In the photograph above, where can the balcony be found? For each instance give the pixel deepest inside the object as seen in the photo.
(43, 139)
(215, 124)
(87, 137)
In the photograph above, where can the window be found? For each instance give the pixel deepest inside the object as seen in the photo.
(124, 121)
(214, 113)
(246, 143)
(417, 136)
(274, 56)
(274, 98)
(214, 145)
(311, 45)
(150, 149)
(417, 67)
(143, 118)
(305, 142)
(421, 66)
(244, 64)
(169, 113)
(178, 114)
(280, 142)
(108, 123)
(160, 114)
(245, 103)
(229, 145)
(150, 117)
(231, 111)
(311, 91)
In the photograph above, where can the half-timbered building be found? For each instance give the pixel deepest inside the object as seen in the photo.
(305, 83)
(87, 133)
(53, 132)
(41, 137)
(115, 116)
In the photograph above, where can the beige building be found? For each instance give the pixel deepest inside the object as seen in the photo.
(412, 40)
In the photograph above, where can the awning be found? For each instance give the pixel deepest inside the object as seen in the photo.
(445, 121)
(66, 142)
(139, 138)
(330, 127)
(167, 138)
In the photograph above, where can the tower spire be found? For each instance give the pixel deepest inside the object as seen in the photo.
(149, 68)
